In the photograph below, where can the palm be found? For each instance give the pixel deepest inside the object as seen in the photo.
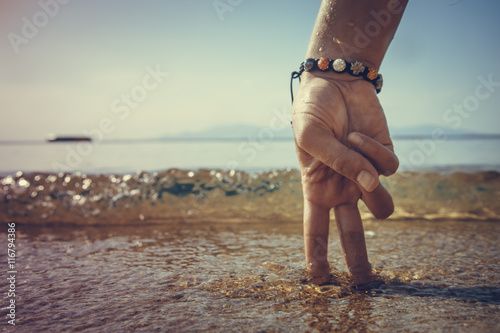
(339, 107)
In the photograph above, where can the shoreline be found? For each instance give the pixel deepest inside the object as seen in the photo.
(439, 169)
(228, 196)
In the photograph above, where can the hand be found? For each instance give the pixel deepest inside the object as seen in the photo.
(343, 144)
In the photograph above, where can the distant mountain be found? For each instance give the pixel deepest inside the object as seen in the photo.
(245, 131)
(430, 130)
(236, 131)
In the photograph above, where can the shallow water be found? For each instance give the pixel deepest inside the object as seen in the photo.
(227, 196)
(437, 276)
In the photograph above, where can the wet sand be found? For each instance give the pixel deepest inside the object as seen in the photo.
(437, 276)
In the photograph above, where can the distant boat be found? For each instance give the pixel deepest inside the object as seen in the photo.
(56, 138)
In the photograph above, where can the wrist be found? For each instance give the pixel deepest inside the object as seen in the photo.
(335, 69)
(330, 76)
(338, 50)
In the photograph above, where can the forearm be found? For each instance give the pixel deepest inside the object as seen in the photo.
(359, 30)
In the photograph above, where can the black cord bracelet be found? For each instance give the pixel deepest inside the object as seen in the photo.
(356, 68)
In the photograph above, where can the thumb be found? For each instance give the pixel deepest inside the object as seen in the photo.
(319, 141)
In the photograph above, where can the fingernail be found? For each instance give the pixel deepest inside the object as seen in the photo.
(366, 180)
(356, 139)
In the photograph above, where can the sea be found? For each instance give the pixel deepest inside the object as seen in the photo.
(416, 153)
(205, 235)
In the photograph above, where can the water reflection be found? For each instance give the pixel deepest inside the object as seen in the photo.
(352, 313)
(227, 277)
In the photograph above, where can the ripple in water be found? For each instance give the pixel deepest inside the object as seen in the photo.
(247, 277)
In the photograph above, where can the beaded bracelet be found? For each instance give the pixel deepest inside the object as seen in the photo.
(356, 68)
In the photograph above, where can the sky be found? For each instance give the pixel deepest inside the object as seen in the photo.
(145, 69)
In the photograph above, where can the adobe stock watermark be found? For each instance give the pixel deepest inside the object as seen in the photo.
(224, 6)
(121, 107)
(455, 117)
(11, 273)
(254, 144)
(31, 27)
(247, 151)
(372, 29)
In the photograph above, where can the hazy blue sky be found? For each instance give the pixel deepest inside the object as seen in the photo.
(66, 69)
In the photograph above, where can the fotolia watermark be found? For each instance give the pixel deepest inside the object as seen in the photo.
(121, 106)
(455, 117)
(223, 6)
(31, 27)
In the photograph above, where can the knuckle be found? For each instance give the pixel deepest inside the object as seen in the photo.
(393, 167)
(301, 139)
(301, 134)
(340, 164)
(384, 212)
(384, 215)
(306, 136)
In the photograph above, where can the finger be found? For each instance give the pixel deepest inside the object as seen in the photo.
(316, 230)
(382, 157)
(352, 239)
(319, 141)
(379, 202)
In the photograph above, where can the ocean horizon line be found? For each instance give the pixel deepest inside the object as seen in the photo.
(401, 137)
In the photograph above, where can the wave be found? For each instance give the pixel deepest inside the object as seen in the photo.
(226, 196)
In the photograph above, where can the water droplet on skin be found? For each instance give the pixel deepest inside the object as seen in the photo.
(320, 49)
